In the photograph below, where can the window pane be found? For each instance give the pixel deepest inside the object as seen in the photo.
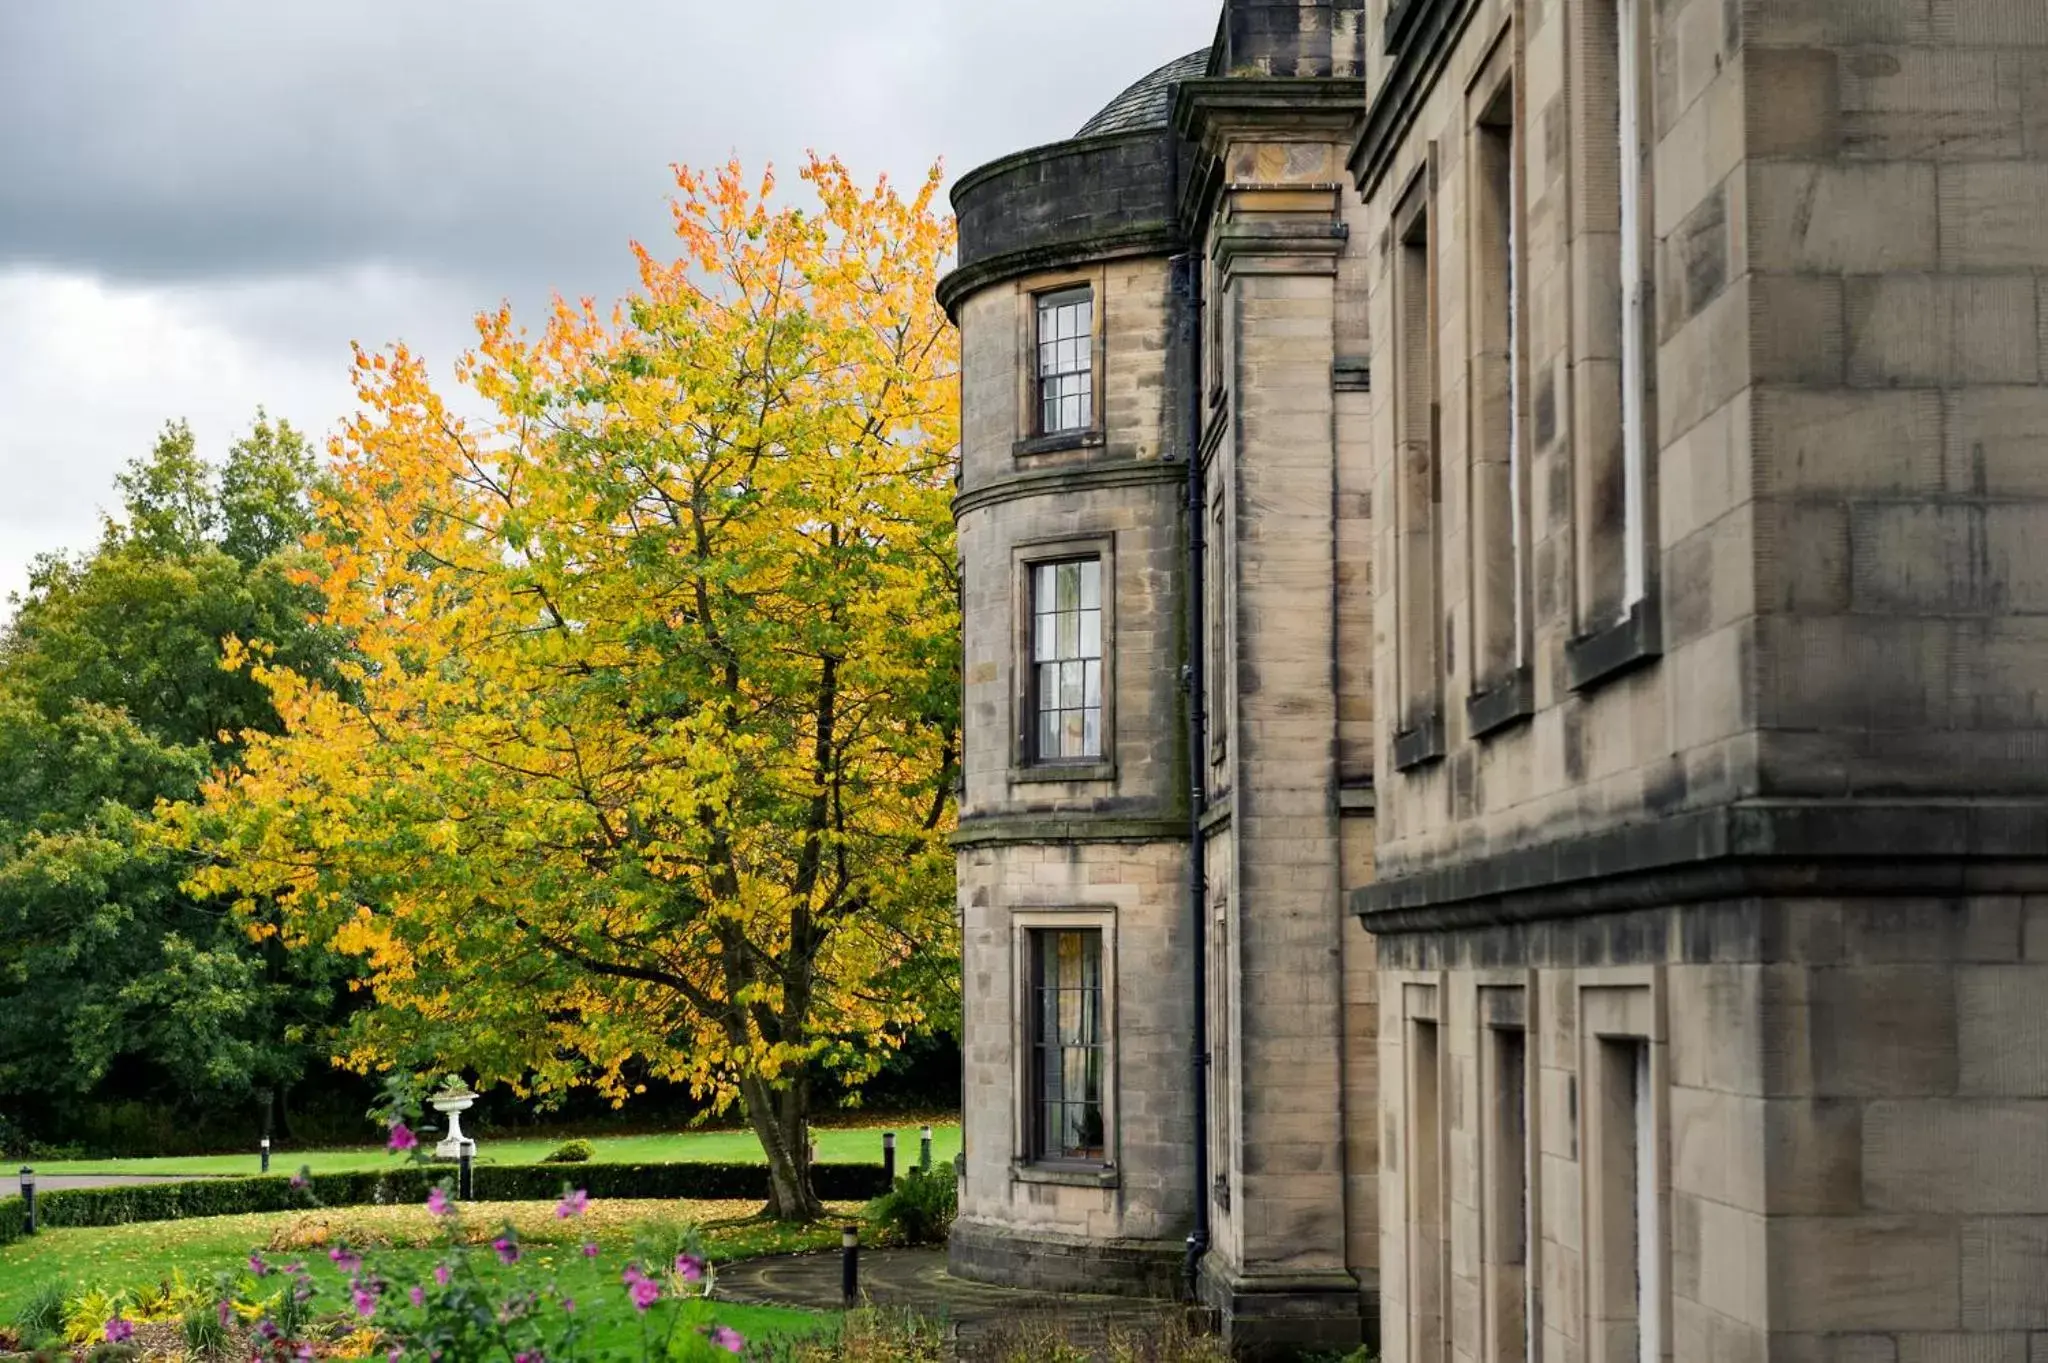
(1090, 643)
(1065, 348)
(1072, 734)
(1090, 573)
(1069, 638)
(1069, 587)
(1091, 733)
(1073, 685)
(1043, 634)
(1091, 684)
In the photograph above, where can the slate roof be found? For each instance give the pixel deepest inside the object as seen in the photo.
(1149, 103)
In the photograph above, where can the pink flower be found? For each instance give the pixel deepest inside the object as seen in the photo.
(418, 1295)
(508, 1251)
(119, 1331)
(225, 1313)
(304, 1353)
(299, 1180)
(441, 1274)
(689, 1267)
(402, 1137)
(728, 1339)
(438, 1203)
(345, 1259)
(528, 1358)
(643, 1289)
(569, 1305)
(572, 1204)
(365, 1300)
(590, 1249)
(395, 1354)
(256, 1264)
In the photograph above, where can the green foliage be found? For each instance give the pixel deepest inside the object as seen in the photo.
(13, 1219)
(576, 1151)
(919, 1210)
(205, 1332)
(113, 698)
(41, 1317)
(86, 1315)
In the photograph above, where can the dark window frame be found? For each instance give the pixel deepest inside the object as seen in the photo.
(1034, 748)
(1093, 1044)
(1068, 299)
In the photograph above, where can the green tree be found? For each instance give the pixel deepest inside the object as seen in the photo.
(113, 697)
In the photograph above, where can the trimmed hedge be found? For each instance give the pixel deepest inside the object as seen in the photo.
(411, 1183)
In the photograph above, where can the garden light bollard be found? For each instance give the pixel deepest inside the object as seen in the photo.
(465, 1172)
(849, 1265)
(28, 1196)
(924, 1150)
(889, 1158)
(266, 1155)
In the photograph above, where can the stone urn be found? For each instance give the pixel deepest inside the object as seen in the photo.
(452, 1101)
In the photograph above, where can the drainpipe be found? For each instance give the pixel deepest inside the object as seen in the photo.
(1189, 286)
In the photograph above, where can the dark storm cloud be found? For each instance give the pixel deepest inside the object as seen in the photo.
(514, 143)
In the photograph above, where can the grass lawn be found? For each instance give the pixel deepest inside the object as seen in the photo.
(855, 1145)
(396, 1241)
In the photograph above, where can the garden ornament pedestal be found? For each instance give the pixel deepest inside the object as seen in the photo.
(452, 1102)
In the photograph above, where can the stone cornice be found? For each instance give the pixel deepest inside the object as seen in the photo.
(1299, 238)
(1808, 848)
(1151, 240)
(999, 830)
(1088, 477)
(1207, 113)
(1420, 35)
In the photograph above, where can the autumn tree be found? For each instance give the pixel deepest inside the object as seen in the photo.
(650, 768)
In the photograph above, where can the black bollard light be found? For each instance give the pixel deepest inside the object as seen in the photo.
(889, 1158)
(28, 1196)
(924, 1149)
(849, 1265)
(266, 1155)
(465, 1175)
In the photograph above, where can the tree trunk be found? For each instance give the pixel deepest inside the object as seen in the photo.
(784, 1132)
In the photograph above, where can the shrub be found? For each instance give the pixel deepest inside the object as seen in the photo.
(577, 1151)
(920, 1208)
(411, 1183)
(205, 1330)
(41, 1317)
(13, 1219)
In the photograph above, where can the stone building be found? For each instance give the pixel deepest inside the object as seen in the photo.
(1709, 436)
(1153, 851)
(1505, 784)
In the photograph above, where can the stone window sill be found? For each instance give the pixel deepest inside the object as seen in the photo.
(1065, 1175)
(1421, 743)
(1063, 771)
(1501, 706)
(1593, 659)
(1057, 443)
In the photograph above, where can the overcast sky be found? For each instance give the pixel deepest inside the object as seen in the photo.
(202, 202)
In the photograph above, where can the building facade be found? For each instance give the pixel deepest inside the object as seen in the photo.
(1711, 805)
(1169, 1050)
(1505, 807)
